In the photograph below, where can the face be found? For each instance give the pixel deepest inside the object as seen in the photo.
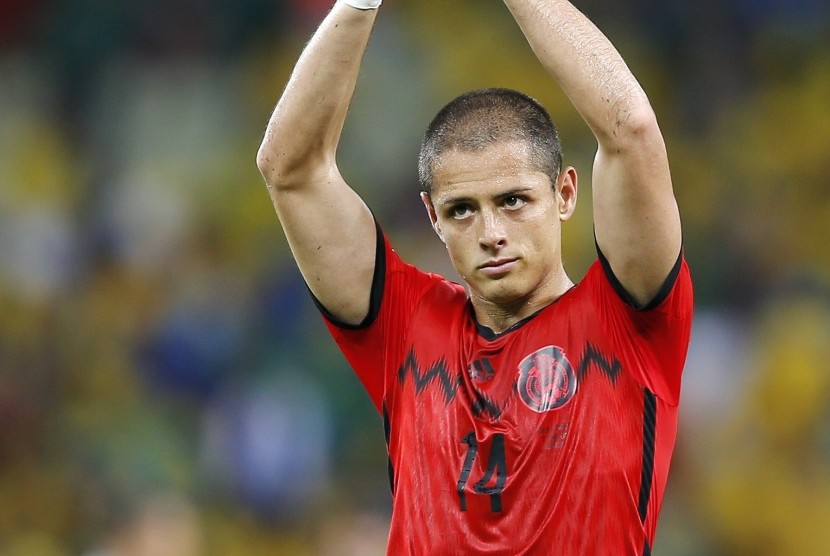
(501, 222)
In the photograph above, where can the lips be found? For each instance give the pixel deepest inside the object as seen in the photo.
(498, 266)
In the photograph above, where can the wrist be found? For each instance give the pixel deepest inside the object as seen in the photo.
(362, 4)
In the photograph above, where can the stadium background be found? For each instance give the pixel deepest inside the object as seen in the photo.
(166, 387)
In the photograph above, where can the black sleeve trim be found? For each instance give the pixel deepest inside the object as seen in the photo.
(375, 296)
(662, 293)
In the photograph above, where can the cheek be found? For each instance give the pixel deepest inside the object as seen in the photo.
(542, 241)
(462, 252)
(457, 249)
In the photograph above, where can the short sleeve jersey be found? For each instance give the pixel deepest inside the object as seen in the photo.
(553, 437)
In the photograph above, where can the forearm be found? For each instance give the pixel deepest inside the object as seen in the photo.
(305, 127)
(587, 66)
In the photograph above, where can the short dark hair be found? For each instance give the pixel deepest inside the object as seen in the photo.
(480, 118)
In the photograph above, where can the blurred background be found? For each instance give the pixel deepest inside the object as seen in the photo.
(166, 385)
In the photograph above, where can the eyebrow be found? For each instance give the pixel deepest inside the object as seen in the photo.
(454, 200)
(514, 191)
(466, 199)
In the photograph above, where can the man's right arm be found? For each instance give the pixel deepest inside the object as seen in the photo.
(330, 230)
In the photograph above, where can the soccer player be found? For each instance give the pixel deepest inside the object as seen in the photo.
(524, 414)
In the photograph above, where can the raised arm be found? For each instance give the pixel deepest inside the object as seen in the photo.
(636, 219)
(329, 229)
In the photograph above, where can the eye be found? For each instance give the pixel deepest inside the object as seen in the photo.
(514, 202)
(460, 211)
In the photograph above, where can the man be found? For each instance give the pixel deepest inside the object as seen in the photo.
(526, 414)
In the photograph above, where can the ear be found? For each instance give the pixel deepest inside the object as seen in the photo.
(433, 217)
(566, 193)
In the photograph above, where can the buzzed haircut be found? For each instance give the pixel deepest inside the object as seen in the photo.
(483, 117)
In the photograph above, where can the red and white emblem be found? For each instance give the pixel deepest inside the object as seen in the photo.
(546, 379)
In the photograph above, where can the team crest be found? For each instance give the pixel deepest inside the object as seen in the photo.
(546, 379)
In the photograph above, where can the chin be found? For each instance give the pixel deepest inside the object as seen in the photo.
(502, 294)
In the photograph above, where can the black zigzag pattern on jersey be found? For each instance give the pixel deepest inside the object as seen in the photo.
(482, 405)
(592, 356)
(438, 370)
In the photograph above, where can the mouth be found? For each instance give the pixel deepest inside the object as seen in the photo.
(498, 267)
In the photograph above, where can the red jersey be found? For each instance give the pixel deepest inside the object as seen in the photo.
(553, 437)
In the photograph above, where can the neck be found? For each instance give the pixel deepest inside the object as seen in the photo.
(499, 316)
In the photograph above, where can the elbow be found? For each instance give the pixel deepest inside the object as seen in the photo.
(268, 162)
(283, 169)
(263, 161)
(635, 127)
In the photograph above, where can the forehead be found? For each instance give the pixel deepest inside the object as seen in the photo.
(489, 171)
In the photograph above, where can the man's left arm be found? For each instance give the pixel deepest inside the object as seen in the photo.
(636, 220)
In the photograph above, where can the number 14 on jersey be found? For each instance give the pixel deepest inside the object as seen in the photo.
(492, 481)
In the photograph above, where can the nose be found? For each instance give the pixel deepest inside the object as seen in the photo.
(492, 234)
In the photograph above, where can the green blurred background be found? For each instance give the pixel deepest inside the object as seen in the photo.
(166, 385)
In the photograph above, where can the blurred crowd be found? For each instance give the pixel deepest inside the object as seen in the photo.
(168, 388)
